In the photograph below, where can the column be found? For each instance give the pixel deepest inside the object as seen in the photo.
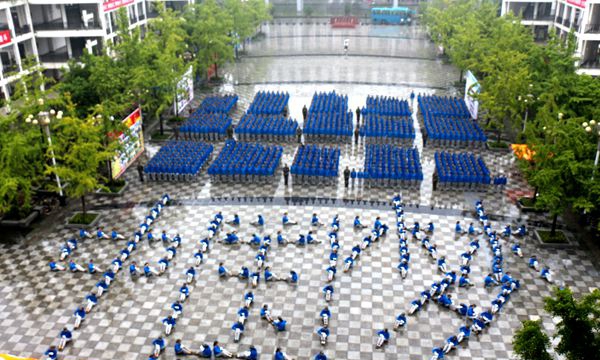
(395, 3)
(299, 5)
(535, 10)
(266, 2)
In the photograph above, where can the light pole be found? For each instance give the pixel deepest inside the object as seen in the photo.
(593, 127)
(43, 119)
(527, 100)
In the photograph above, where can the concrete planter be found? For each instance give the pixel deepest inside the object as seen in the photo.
(21, 223)
(101, 193)
(566, 245)
(78, 226)
(497, 149)
(524, 208)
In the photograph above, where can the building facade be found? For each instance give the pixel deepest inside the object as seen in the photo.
(54, 31)
(562, 16)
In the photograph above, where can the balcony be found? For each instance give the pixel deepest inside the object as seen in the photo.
(559, 20)
(591, 63)
(25, 29)
(58, 56)
(8, 69)
(529, 17)
(592, 29)
(59, 25)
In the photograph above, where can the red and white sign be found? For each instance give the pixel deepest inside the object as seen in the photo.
(5, 37)
(115, 4)
(578, 3)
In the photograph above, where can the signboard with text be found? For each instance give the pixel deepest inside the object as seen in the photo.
(472, 88)
(132, 143)
(185, 93)
(578, 3)
(5, 37)
(115, 4)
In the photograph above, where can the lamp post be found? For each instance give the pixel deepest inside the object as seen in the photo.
(593, 127)
(527, 100)
(43, 120)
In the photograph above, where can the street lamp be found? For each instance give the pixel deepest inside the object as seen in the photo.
(43, 119)
(527, 100)
(593, 127)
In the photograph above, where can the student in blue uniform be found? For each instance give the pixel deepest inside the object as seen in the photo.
(328, 292)
(279, 324)
(249, 299)
(383, 336)
(323, 334)
(56, 267)
(320, 356)
(51, 353)
(169, 323)
(315, 220)
(285, 220)
(223, 272)
(184, 292)
(79, 317)
(177, 309)
(358, 224)
(221, 352)
(65, 337)
(250, 354)
(281, 355)
(243, 314)
(238, 331)
(490, 281)
(400, 321)
(92, 300)
(205, 351)
(450, 344)
(191, 275)
(293, 277)
(181, 350)
(159, 345)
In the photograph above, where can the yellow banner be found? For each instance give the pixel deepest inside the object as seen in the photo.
(10, 357)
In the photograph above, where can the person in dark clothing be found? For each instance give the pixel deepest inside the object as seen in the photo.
(356, 134)
(230, 132)
(176, 131)
(140, 170)
(286, 174)
(304, 112)
(299, 134)
(346, 176)
(357, 116)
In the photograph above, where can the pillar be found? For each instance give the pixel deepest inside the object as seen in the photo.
(535, 11)
(395, 3)
(299, 5)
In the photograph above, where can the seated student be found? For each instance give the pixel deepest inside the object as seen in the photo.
(244, 273)
(250, 354)
(358, 224)
(546, 274)
(204, 245)
(279, 324)
(150, 236)
(310, 239)
(355, 251)
(51, 353)
(238, 331)
(464, 281)
(438, 353)
(521, 231)
(497, 270)
(458, 230)
(465, 269)
(72, 244)
(65, 337)
(472, 230)
(249, 299)
(466, 258)
(235, 221)
(159, 345)
(163, 264)
(473, 246)
(477, 326)
(270, 276)
(205, 351)
(445, 300)
(280, 355)
(333, 256)
(433, 251)
(255, 240)
(366, 242)
(65, 251)
(472, 312)
(231, 238)
(137, 236)
(199, 256)
(221, 352)
(181, 350)
(331, 271)
(430, 228)
(533, 263)
(414, 306)
(260, 221)
(101, 234)
(489, 281)
(328, 291)
(254, 278)
(191, 275)
(92, 300)
(507, 231)
(320, 356)
(323, 334)
(383, 336)
(169, 323)
(426, 295)
(516, 249)
(265, 313)
(442, 264)
(348, 263)
(83, 234)
(285, 220)
(314, 221)
(325, 315)
(403, 268)
(266, 241)
(243, 314)
(101, 286)
(260, 260)
(184, 292)
(486, 317)
(400, 321)
(301, 240)
(335, 246)
(176, 241)
(292, 277)
(117, 264)
(451, 343)
(280, 239)
(223, 272)
(79, 317)
(425, 243)
(463, 333)
(56, 267)
(74, 267)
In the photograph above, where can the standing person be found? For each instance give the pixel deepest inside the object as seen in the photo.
(346, 44)
(356, 135)
(304, 112)
(286, 174)
(140, 170)
(299, 134)
(346, 177)
(358, 117)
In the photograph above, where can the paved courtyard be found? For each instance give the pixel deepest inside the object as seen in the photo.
(36, 304)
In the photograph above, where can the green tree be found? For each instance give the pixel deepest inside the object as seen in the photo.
(530, 342)
(579, 325)
(80, 151)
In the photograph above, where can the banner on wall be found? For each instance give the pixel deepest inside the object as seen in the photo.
(132, 144)
(185, 95)
(5, 37)
(472, 88)
(111, 5)
(578, 3)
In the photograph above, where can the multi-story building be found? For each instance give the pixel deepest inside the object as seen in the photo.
(562, 16)
(54, 31)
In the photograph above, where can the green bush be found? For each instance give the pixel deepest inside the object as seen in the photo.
(530, 342)
(83, 219)
(557, 238)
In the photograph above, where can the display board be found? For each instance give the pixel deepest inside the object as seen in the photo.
(472, 88)
(132, 143)
(185, 95)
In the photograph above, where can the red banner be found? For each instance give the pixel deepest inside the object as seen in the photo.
(578, 3)
(5, 37)
(115, 4)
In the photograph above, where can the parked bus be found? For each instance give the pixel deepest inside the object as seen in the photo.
(392, 16)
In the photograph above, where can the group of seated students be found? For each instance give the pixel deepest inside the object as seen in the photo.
(245, 162)
(387, 165)
(328, 118)
(316, 165)
(269, 103)
(382, 130)
(178, 160)
(448, 122)
(218, 103)
(65, 335)
(206, 126)
(259, 127)
(461, 170)
(386, 106)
